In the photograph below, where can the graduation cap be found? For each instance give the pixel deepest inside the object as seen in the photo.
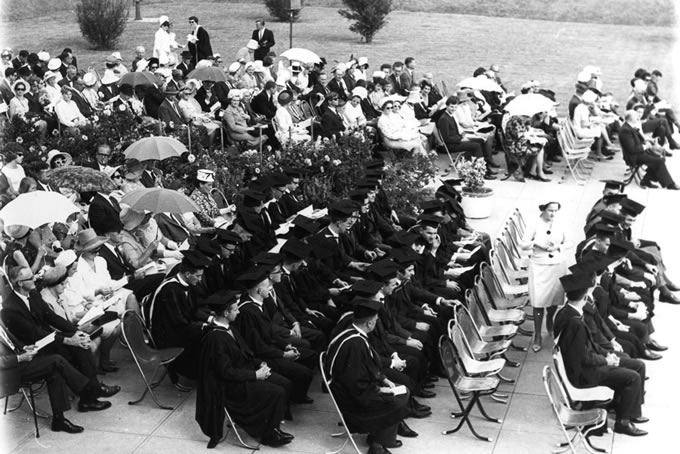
(610, 199)
(367, 183)
(195, 259)
(602, 229)
(280, 179)
(228, 237)
(364, 308)
(609, 217)
(341, 209)
(614, 185)
(366, 287)
(207, 246)
(268, 258)
(631, 207)
(252, 198)
(404, 256)
(262, 185)
(592, 263)
(575, 282)
(359, 195)
(384, 270)
(295, 248)
(306, 225)
(430, 220)
(221, 300)
(254, 276)
(377, 174)
(374, 164)
(431, 206)
(403, 238)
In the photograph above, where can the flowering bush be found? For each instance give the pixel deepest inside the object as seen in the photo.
(407, 181)
(472, 172)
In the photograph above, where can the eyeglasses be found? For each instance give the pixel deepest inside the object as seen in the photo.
(117, 177)
(30, 278)
(387, 107)
(20, 89)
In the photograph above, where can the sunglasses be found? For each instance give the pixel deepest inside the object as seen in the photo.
(26, 279)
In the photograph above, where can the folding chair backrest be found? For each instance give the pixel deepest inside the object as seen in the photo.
(449, 357)
(478, 310)
(554, 392)
(134, 334)
(461, 347)
(484, 300)
(504, 256)
(499, 269)
(467, 325)
(514, 231)
(219, 198)
(493, 287)
(307, 110)
(561, 376)
(511, 244)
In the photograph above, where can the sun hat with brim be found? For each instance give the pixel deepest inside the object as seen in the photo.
(589, 97)
(66, 258)
(110, 77)
(363, 61)
(16, 231)
(132, 219)
(54, 275)
(252, 44)
(54, 153)
(54, 64)
(44, 56)
(49, 75)
(414, 95)
(88, 240)
(361, 92)
(111, 171)
(392, 99)
(20, 82)
(133, 169)
(234, 67)
(89, 79)
(205, 176)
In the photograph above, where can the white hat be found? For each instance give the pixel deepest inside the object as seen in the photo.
(117, 56)
(205, 63)
(43, 56)
(361, 92)
(340, 67)
(234, 92)
(109, 77)
(54, 64)
(165, 72)
(378, 75)
(250, 64)
(50, 74)
(234, 67)
(252, 44)
(259, 68)
(142, 64)
(583, 76)
(639, 86)
(589, 97)
(205, 175)
(163, 19)
(363, 61)
(66, 258)
(414, 95)
(54, 153)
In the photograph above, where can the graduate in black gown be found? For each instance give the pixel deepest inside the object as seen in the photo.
(365, 396)
(230, 376)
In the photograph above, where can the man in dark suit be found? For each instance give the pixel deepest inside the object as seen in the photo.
(635, 152)
(200, 48)
(408, 75)
(338, 84)
(6, 84)
(263, 102)
(20, 60)
(101, 157)
(331, 121)
(28, 317)
(83, 106)
(586, 367)
(397, 86)
(186, 66)
(104, 213)
(264, 38)
(168, 111)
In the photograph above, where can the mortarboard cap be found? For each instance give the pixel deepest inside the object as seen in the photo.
(614, 184)
(364, 308)
(254, 276)
(374, 164)
(342, 209)
(294, 172)
(575, 282)
(280, 179)
(404, 256)
(221, 300)
(374, 174)
(609, 217)
(306, 224)
(268, 258)
(228, 237)
(252, 197)
(430, 206)
(384, 270)
(367, 183)
(366, 287)
(359, 195)
(195, 259)
(430, 220)
(295, 248)
(602, 229)
(207, 246)
(631, 207)
(402, 238)
(613, 198)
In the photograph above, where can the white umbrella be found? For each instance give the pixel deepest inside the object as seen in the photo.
(156, 148)
(480, 83)
(301, 55)
(37, 208)
(529, 104)
(159, 200)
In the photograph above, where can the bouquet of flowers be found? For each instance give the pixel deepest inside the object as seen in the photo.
(472, 172)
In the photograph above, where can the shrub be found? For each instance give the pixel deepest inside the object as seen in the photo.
(277, 9)
(369, 16)
(102, 22)
(472, 172)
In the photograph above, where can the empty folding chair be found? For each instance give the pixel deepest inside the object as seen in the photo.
(478, 347)
(510, 286)
(462, 383)
(346, 431)
(519, 256)
(495, 315)
(488, 328)
(135, 335)
(495, 290)
(582, 421)
(513, 269)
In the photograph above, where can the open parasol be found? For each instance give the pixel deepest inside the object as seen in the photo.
(159, 200)
(37, 208)
(80, 179)
(155, 148)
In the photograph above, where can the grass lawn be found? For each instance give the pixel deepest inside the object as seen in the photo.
(451, 46)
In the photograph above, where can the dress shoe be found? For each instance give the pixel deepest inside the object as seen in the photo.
(108, 391)
(648, 184)
(274, 439)
(628, 428)
(673, 187)
(657, 347)
(547, 171)
(667, 297)
(405, 431)
(396, 444)
(413, 413)
(671, 286)
(212, 443)
(378, 449)
(669, 154)
(428, 385)
(93, 405)
(492, 165)
(305, 400)
(425, 393)
(64, 425)
(283, 434)
(650, 355)
(420, 407)
(489, 176)
(639, 420)
(434, 379)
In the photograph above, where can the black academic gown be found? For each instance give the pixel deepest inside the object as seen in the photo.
(226, 378)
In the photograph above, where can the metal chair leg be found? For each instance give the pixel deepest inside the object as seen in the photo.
(35, 416)
(485, 414)
(238, 435)
(510, 362)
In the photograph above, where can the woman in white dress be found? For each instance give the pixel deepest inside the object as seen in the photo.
(164, 44)
(191, 112)
(396, 133)
(287, 130)
(546, 239)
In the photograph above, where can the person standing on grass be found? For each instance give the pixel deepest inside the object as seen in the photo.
(264, 38)
(198, 42)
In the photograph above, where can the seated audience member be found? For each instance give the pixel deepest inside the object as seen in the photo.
(192, 113)
(134, 170)
(209, 214)
(365, 396)
(589, 126)
(67, 111)
(527, 145)
(457, 141)
(332, 124)
(237, 122)
(23, 252)
(169, 111)
(56, 159)
(396, 133)
(263, 102)
(353, 114)
(29, 319)
(587, 367)
(287, 130)
(12, 171)
(231, 377)
(637, 152)
(176, 320)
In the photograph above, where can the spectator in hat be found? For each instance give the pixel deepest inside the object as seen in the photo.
(140, 58)
(248, 79)
(338, 84)
(164, 43)
(209, 214)
(229, 376)
(286, 129)
(21, 59)
(247, 53)
(186, 66)
(52, 88)
(169, 111)
(89, 91)
(264, 38)
(132, 175)
(236, 121)
(192, 113)
(353, 114)
(109, 86)
(12, 172)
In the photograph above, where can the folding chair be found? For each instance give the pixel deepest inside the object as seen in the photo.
(495, 315)
(512, 268)
(11, 384)
(232, 424)
(476, 345)
(439, 139)
(462, 383)
(322, 358)
(219, 198)
(509, 286)
(583, 421)
(574, 154)
(495, 290)
(518, 255)
(601, 395)
(134, 334)
(489, 329)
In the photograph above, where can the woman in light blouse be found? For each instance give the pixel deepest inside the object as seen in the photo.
(395, 131)
(236, 121)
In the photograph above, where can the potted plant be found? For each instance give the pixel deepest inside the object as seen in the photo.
(476, 198)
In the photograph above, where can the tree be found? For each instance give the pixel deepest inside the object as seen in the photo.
(369, 16)
(277, 9)
(102, 22)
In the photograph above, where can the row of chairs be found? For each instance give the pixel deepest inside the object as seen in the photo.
(575, 151)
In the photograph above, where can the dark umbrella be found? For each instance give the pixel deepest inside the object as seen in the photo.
(80, 179)
(208, 73)
(136, 78)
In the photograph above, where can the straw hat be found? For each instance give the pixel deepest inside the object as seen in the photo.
(89, 79)
(54, 153)
(66, 258)
(16, 231)
(252, 44)
(110, 77)
(132, 219)
(205, 176)
(54, 64)
(88, 240)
